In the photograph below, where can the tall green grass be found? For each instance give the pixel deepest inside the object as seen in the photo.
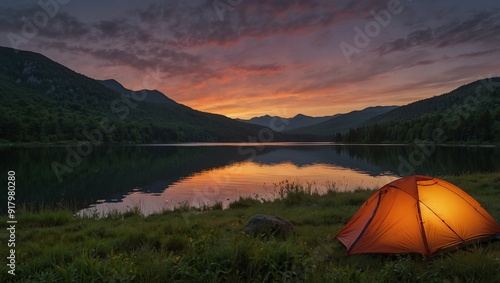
(208, 244)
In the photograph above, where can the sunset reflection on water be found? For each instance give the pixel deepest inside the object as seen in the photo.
(243, 179)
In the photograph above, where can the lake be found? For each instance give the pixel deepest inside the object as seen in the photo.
(158, 177)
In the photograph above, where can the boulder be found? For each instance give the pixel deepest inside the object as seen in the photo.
(268, 226)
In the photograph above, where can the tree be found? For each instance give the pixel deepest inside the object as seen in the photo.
(427, 130)
(485, 125)
(351, 136)
(338, 137)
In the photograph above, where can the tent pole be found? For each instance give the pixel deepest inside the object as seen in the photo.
(424, 236)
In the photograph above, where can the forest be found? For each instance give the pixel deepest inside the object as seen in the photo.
(475, 127)
(469, 114)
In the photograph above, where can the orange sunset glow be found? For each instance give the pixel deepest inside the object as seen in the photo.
(275, 57)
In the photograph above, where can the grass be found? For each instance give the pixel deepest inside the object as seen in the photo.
(208, 244)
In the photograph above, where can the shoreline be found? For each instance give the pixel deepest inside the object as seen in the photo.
(287, 143)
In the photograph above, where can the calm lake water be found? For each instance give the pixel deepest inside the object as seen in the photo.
(157, 177)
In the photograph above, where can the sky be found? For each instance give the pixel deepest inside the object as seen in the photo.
(243, 58)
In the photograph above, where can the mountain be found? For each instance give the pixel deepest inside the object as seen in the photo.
(341, 123)
(287, 124)
(470, 113)
(44, 101)
(152, 96)
(472, 96)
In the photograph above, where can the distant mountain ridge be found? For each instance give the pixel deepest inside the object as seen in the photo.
(341, 123)
(286, 124)
(321, 126)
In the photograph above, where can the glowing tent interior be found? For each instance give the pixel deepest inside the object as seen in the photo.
(417, 214)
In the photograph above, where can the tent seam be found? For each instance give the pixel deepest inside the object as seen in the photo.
(367, 223)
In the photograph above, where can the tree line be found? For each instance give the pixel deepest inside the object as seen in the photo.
(480, 126)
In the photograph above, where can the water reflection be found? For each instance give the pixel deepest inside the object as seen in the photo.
(243, 179)
(157, 177)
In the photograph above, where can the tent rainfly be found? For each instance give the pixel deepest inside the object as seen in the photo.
(417, 214)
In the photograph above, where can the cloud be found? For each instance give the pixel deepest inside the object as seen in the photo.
(10, 19)
(481, 27)
(478, 53)
(59, 26)
(170, 62)
(159, 33)
(258, 69)
(200, 25)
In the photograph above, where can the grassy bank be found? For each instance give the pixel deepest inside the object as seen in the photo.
(189, 245)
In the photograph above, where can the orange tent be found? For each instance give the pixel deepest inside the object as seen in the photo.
(416, 214)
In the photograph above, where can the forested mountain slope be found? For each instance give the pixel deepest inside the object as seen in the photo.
(43, 101)
(470, 113)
